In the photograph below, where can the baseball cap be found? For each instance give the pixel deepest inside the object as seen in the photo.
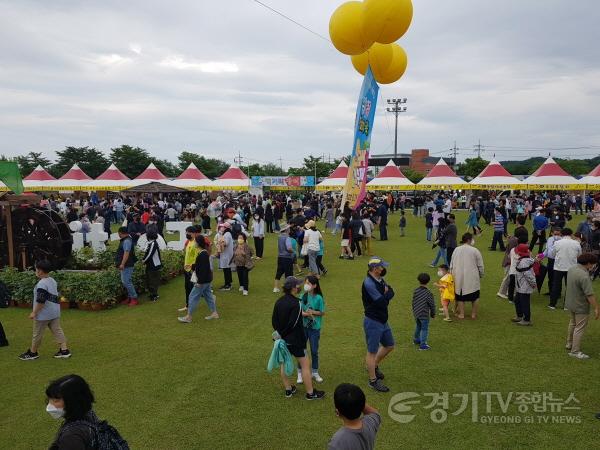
(376, 261)
(292, 282)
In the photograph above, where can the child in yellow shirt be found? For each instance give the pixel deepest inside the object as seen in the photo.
(446, 287)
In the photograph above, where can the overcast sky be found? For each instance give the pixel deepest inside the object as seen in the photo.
(218, 77)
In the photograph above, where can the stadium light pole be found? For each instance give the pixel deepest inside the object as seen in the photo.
(396, 108)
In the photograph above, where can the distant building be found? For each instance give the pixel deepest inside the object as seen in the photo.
(417, 160)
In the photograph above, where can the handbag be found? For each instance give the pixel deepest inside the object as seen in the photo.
(194, 277)
(304, 250)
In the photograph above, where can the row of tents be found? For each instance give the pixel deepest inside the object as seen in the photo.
(114, 180)
(549, 176)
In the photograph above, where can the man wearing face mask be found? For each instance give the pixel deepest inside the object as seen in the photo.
(376, 295)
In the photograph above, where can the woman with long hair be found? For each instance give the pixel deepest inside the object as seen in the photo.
(313, 310)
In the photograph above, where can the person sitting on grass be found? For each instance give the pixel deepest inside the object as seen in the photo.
(287, 322)
(45, 314)
(358, 433)
(446, 287)
(423, 307)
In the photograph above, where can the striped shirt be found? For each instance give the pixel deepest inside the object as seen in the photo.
(422, 304)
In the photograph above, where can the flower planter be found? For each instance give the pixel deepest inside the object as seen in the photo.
(23, 305)
(64, 305)
(84, 306)
(98, 306)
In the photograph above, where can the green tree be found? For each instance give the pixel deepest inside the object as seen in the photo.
(413, 175)
(90, 160)
(273, 170)
(166, 167)
(130, 160)
(471, 167)
(30, 161)
(211, 167)
(323, 168)
(575, 167)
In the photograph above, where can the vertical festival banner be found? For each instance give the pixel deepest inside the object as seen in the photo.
(356, 181)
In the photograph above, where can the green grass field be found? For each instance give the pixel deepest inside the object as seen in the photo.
(167, 385)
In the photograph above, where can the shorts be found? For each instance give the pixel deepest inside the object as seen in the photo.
(345, 242)
(285, 266)
(473, 296)
(377, 333)
(296, 351)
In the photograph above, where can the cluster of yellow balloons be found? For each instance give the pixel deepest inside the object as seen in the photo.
(367, 31)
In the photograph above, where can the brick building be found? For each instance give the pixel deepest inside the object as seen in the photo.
(417, 160)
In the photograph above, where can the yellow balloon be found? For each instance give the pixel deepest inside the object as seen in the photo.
(386, 21)
(379, 57)
(396, 69)
(346, 29)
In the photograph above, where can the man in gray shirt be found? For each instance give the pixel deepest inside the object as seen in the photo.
(45, 314)
(358, 433)
(450, 233)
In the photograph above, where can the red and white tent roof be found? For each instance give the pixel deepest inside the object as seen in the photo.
(234, 179)
(494, 176)
(441, 177)
(336, 180)
(112, 179)
(150, 174)
(551, 176)
(74, 180)
(390, 179)
(592, 179)
(192, 178)
(39, 174)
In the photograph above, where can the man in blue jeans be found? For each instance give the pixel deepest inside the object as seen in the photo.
(376, 295)
(125, 260)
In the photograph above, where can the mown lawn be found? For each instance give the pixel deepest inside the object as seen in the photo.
(166, 385)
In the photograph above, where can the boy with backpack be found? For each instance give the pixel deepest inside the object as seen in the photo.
(45, 314)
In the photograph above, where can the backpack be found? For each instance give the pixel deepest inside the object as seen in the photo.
(236, 230)
(5, 295)
(104, 436)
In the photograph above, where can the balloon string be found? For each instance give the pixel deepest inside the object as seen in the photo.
(292, 20)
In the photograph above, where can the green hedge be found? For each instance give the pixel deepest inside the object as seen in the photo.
(101, 286)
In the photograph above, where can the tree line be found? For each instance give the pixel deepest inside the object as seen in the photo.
(133, 160)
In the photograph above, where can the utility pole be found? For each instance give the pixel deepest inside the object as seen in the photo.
(396, 109)
(281, 163)
(455, 152)
(479, 149)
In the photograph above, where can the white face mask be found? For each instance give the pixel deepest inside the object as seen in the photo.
(307, 287)
(440, 273)
(55, 412)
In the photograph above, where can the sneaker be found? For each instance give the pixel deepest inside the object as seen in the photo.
(212, 316)
(416, 342)
(225, 288)
(379, 374)
(378, 386)
(447, 319)
(184, 320)
(244, 292)
(315, 395)
(432, 265)
(516, 319)
(505, 297)
(276, 290)
(134, 302)
(290, 392)
(424, 347)
(299, 379)
(579, 355)
(551, 307)
(63, 354)
(317, 377)
(28, 356)
(524, 323)
(241, 289)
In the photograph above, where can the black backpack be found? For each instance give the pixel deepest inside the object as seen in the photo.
(4, 295)
(104, 436)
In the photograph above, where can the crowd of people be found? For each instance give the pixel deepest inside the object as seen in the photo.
(568, 258)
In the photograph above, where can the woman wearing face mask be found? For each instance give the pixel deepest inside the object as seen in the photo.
(313, 309)
(70, 398)
(242, 260)
(258, 232)
(467, 269)
(225, 253)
